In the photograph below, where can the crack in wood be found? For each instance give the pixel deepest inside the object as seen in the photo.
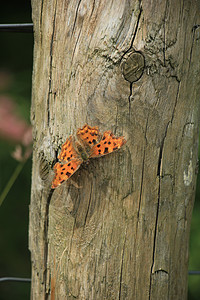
(93, 6)
(136, 27)
(42, 5)
(88, 208)
(46, 250)
(164, 45)
(164, 36)
(158, 205)
(131, 46)
(154, 240)
(50, 67)
(143, 160)
(177, 94)
(161, 151)
(141, 185)
(76, 16)
(159, 188)
(161, 271)
(122, 264)
(165, 135)
(76, 44)
(129, 100)
(194, 28)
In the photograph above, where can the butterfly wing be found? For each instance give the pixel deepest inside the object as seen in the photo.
(64, 171)
(68, 151)
(108, 144)
(88, 135)
(70, 162)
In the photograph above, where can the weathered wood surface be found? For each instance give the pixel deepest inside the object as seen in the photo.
(123, 234)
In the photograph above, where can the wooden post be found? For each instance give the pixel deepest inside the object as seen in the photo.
(121, 231)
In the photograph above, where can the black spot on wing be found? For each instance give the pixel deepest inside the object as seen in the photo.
(106, 150)
(93, 133)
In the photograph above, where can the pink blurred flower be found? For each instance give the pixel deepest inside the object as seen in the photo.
(15, 129)
(12, 127)
(19, 155)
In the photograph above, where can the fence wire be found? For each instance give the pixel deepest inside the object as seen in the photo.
(15, 279)
(19, 279)
(21, 28)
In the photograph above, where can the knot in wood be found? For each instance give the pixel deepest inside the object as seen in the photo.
(132, 66)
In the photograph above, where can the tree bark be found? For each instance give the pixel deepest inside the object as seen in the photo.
(122, 230)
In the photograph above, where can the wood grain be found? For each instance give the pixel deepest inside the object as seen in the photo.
(121, 231)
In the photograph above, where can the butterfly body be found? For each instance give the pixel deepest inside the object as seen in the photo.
(89, 144)
(82, 151)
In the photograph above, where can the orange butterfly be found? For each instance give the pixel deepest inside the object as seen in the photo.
(90, 144)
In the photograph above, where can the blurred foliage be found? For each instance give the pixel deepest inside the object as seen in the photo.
(16, 61)
(15, 256)
(16, 57)
(20, 90)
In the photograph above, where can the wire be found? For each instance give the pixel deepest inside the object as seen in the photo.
(29, 279)
(15, 279)
(194, 272)
(23, 27)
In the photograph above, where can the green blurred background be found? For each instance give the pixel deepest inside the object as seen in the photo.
(16, 64)
(16, 50)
